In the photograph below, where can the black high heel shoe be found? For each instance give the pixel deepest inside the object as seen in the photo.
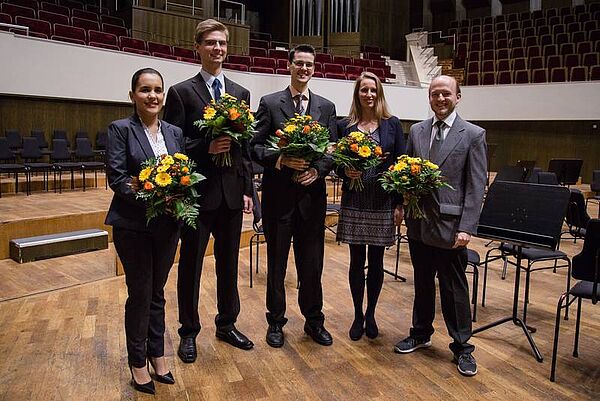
(147, 388)
(166, 378)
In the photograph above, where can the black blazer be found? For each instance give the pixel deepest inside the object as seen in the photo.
(391, 139)
(185, 105)
(126, 149)
(280, 193)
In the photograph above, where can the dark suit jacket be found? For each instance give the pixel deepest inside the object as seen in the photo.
(126, 149)
(462, 159)
(391, 140)
(185, 105)
(280, 193)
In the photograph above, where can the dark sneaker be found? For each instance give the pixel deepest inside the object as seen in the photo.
(410, 344)
(466, 365)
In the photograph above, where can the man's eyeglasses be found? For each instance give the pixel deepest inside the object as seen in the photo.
(301, 64)
(213, 43)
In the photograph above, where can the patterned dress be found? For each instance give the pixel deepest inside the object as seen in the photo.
(367, 216)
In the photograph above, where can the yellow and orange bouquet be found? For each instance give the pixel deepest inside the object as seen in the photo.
(229, 116)
(300, 137)
(414, 178)
(167, 187)
(357, 151)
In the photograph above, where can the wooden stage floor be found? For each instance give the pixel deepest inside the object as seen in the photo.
(69, 343)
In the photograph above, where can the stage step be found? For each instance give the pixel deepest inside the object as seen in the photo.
(24, 250)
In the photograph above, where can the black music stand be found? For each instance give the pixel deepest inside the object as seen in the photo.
(524, 215)
(399, 239)
(567, 170)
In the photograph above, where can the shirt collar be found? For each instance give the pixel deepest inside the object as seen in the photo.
(209, 78)
(448, 120)
(147, 130)
(305, 94)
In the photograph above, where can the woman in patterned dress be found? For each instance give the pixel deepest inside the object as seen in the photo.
(367, 217)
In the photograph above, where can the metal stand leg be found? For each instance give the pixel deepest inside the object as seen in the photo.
(515, 318)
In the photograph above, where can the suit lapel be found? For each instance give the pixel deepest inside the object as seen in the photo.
(314, 107)
(141, 137)
(286, 103)
(424, 138)
(169, 139)
(384, 133)
(452, 139)
(230, 88)
(199, 85)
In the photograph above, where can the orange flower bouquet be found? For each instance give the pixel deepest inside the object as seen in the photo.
(167, 186)
(414, 178)
(301, 137)
(228, 116)
(357, 151)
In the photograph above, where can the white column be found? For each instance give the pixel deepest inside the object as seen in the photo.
(461, 11)
(535, 5)
(496, 8)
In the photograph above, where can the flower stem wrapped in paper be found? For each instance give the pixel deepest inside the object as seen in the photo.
(414, 178)
(302, 138)
(230, 117)
(357, 151)
(167, 187)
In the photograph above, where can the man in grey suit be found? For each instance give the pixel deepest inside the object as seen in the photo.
(438, 242)
(294, 208)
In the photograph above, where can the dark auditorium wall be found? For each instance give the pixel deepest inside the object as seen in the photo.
(384, 23)
(27, 113)
(544, 140)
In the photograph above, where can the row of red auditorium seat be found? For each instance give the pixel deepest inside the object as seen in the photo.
(551, 46)
(369, 52)
(31, 9)
(541, 75)
(526, 15)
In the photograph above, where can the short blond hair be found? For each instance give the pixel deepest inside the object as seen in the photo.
(209, 25)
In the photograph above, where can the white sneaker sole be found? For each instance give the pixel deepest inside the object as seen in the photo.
(408, 351)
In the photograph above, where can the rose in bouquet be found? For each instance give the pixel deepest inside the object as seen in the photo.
(414, 178)
(301, 137)
(357, 151)
(167, 187)
(228, 116)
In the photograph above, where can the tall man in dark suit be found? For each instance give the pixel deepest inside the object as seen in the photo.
(438, 243)
(224, 195)
(294, 209)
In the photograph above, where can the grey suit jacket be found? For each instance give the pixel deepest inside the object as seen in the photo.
(462, 160)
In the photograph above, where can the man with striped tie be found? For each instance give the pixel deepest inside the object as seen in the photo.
(294, 208)
(438, 242)
(224, 195)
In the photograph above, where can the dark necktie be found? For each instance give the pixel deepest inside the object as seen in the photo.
(438, 139)
(299, 107)
(216, 86)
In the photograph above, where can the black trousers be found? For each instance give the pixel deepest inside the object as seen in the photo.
(450, 265)
(147, 258)
(225, 225)
(308, 234)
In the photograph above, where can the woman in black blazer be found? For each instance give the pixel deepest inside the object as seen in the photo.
(147, 251)
(367, 216)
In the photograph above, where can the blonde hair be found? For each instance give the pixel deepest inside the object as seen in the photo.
(209, 25)
(381, 107)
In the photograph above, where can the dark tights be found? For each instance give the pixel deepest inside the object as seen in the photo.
(356, 275)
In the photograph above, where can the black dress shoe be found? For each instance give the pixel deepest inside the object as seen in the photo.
(275, 336)
(167, 378)
(235, 338)
(147, 388)
(187, 349)
(319, 334)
